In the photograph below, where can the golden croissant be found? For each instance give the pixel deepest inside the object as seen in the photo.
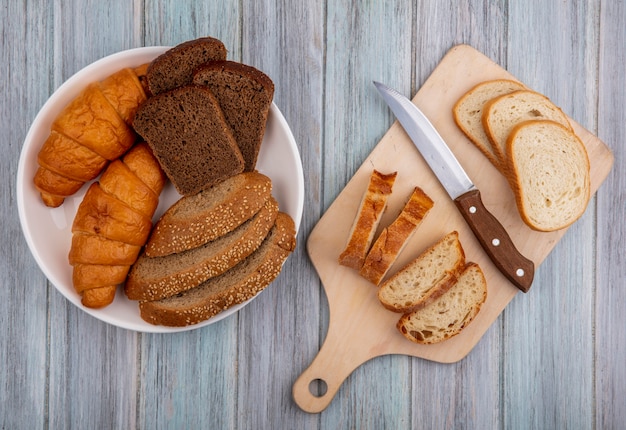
(112, 223)
(92, 130)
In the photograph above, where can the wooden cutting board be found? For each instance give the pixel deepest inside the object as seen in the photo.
(359, 327)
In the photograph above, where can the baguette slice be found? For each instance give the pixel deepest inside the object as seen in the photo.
(195, 220)
(160, 277)
(426, 278)
(373, 205)
(394, 238)
(468, 112)
(503, 113)
(450, 313)
(549, 170)
(235, 286)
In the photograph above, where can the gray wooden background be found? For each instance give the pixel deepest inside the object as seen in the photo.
(556, 357)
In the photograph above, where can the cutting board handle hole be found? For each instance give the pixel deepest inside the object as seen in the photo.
(318, 387)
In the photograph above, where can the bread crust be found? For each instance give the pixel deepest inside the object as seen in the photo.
(367, 219)
(393, 238)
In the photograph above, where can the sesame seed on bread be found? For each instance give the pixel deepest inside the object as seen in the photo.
(188, 134)
(175, 67)
(245, 96)
(215, 211)
(233, 287)
(160, 277)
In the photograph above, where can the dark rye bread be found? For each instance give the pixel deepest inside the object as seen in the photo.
(195, 220)
(188, 134)
(235, 286)
(245, 95)
(160, 277)
(175, 67)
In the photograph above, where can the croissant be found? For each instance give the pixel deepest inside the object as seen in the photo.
(112, 224)
(93, 129)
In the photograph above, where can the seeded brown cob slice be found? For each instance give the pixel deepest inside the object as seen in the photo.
(235, 286)
(195, 220)
(160, 277)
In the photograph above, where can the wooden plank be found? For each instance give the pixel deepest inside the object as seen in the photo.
(279, 331)
(23, 310)
(170, 23)
(362, 46)
(92, 365)
(544, 386)
(456, 393)
(610, 260)
(188, 380)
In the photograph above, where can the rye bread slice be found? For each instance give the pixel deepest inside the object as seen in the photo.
(160, 277)
(245, 95)
(190, 137)
(174, 68)
(235, 286)
(195, 220)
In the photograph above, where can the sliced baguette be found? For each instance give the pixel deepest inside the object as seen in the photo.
(468, 112)
(549, 170)
(235, 286)
(394, 238)
(160, 277)
(195, 220)
(503, 113)
(367, 219)
(450, 313)
(426, 278)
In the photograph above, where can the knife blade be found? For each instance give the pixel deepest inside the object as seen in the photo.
(491, 235)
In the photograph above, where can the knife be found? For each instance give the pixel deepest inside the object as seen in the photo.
(490, 233)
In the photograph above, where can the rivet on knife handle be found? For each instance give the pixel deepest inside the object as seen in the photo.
(496, 241)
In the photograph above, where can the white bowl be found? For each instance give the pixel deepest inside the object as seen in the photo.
(48, 230)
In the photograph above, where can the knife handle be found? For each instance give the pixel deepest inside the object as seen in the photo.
(496, 241)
